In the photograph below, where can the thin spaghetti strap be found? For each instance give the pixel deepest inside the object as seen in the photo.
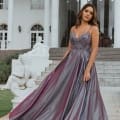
(89, 29)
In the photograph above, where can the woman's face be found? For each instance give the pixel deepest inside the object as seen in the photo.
(87, 14)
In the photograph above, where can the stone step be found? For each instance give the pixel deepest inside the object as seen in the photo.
(113, 63)
(101, 68)
(108, 72)
(100, 75)
(111, 97)
(101, 63)
(103, 80)
(109, 82)
(107, 64)
(109, 75)
(108, 68)
(106, 54)
(113, 58)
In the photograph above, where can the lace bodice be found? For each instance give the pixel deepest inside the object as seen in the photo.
(84, 41)
(81, 42)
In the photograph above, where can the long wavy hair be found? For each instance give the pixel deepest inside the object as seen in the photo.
(93, 20)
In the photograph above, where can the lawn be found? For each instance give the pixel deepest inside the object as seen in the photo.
(5, 101)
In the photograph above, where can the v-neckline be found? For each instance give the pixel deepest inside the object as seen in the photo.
(79, 36)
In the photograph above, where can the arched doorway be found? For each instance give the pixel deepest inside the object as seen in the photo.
(37, 33)
(3, 36)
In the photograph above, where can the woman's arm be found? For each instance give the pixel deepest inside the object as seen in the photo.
(94, 46)
(95, 43)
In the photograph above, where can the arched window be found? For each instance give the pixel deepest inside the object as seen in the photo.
(3, 36)
(3, 27)
(37, 34)
(3, 4)
(37, 27)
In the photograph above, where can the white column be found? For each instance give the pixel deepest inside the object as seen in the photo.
(83, 2)
(46, 22)
(55, 23)
(116, 24)
(78, 5)
(10, 19)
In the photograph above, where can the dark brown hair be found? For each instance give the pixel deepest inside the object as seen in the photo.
(93, 21)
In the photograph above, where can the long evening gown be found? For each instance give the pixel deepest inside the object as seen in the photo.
(63, 95)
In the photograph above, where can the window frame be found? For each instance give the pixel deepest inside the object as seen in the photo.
(3, 4)
(35, 5)
(36, 31)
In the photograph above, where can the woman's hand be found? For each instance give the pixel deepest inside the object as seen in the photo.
(86, 76)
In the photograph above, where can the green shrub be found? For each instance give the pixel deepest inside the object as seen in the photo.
(4, 72)
(8, 60)
(5, 68)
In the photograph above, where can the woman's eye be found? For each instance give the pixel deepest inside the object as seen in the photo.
(91, 13)
(86, 10)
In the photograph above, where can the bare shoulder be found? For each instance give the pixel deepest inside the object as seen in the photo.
(95, 29)
(73, 28)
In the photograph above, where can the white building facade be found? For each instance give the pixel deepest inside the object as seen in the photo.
(23, 22)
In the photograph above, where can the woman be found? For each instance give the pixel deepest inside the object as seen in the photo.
(71, 90)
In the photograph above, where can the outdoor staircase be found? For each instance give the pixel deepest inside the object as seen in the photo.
(108, 69)
(108, 72)
(105, 54)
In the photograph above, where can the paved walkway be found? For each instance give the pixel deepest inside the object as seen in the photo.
(111, 97)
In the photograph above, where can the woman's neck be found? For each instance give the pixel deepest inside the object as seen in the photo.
(84, 23)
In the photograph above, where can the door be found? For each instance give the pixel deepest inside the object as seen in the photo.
(3, 39)
(68, 11)
(37, 34)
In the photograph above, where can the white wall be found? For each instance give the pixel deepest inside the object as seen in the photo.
(25, 17)
(3, 16)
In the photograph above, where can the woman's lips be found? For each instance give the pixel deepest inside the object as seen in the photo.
(86, 17)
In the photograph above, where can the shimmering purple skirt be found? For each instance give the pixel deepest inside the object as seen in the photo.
(63, 95)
